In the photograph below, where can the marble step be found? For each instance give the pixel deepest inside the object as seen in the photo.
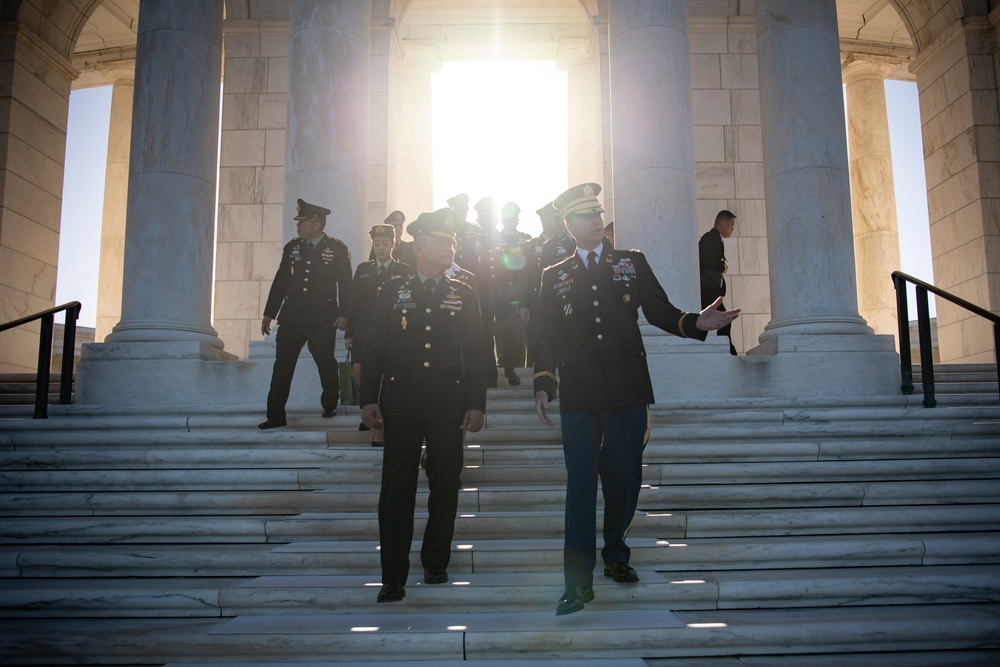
(262, 478)
(517, 429)
(593, 633)
(311, 455)
(963, 658)
(687, 523)
(527, 592)
(362, 498)
(175, 559)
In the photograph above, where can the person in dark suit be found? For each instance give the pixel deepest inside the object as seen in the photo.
(423, 377)
(368, 281)
(310, 297)
(588, 310)
(509, 285)
(712, 260)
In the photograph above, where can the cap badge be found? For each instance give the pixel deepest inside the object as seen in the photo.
(588, 191)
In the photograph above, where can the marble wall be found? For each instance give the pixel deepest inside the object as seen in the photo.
(34, 105)
(249, 233)
(729, 162)
(960, 115)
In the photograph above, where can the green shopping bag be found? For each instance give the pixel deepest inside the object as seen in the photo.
(348, 390)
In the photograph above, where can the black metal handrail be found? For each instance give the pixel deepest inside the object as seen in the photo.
(899, 280)
(45, 354)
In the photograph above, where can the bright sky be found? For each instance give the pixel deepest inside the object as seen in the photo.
(499, 131)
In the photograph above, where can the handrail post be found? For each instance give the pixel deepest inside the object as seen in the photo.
(996, 349)
(44, 361)
(903, 321)
(926, 351)
(69, 352)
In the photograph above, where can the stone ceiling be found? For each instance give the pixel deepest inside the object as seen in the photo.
(529, 28)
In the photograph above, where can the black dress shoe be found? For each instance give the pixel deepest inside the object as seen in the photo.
(378, 443)
(362, 427)
(512, 378)
(573, 599)
(391, 593)
(622, 573)
(332, 412)
(271, 423)
(435, 576)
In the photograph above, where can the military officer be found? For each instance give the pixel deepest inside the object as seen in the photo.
(713, 265)
(474, 254)
(368, 280)
(422, 377)
(310, 297)
(588, 306)
(509, 286)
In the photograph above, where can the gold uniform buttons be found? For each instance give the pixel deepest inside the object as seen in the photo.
(597, 319)
(428, 311)
(428, 327)
(593, 287)
(600, 336)
(427, 346)
(427, 364)
(597, 303)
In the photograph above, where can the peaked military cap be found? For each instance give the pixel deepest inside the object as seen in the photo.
(383, 231)
(306, 210)
(459, 201)
(510, 210)
(486, 206)
(579, 199)
(395, 218)
(548, 211)
(437, 223)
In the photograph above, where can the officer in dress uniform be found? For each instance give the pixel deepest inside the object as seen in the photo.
(401, 251)
(713, 265)
(474, 254)
(423, 377)
(588, 306)
(310, 297)
(368, 280)
(509, 285)
(540, 256)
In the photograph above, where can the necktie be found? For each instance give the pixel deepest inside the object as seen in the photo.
(430, 286)
(381, 271)
(591, 260)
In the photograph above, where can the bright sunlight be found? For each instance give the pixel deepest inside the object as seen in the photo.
(500, 131)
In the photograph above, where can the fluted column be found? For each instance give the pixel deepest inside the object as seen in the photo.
(326, 149)
(167, 291)
(109, 282)
(653, 141)
(807, 186)
(873, 196)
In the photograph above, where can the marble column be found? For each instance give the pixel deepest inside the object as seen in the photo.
(326, 146)
(167, 292)
(873, 196)
(109, 282)
(414, 152)
(653, 141)
(583, 125)
(806, 181)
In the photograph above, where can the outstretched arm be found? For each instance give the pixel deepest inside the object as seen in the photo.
(712, 318)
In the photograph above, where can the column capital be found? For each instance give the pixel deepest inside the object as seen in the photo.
(117, 73)
(863, 66)
(422, 53)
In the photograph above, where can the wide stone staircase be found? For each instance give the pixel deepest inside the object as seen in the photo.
(793, 532)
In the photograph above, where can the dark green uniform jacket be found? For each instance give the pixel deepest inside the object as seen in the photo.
(313, 284)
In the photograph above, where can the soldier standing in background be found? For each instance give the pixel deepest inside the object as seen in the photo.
(511, 273)
(474, 254)
(368, 280)
(554, 230)
(310, 297)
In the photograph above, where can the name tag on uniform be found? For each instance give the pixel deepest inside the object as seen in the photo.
(563, 287)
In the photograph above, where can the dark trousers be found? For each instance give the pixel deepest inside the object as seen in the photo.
(322, 341)
(400, 468)
(491, 357)
(510, 342)
(606, 446)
